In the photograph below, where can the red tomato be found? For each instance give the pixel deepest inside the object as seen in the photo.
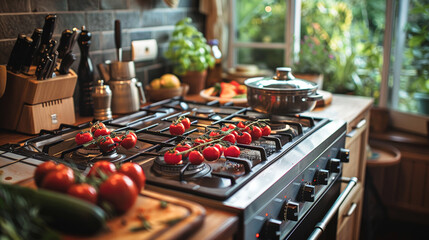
(231, 126)
(232, 151)
(59, 181)
(211, 153)
(183, 147)
(101, 132)
(255, 132)
(241, 125)
(198, 141)
(213, 134)
(83, 137)
(220, 148)
(135, 172)
(84, 191)
(43, 169)
(225, 129)
(186, 123)
(172, 157)
(107, 144)
(120, 191)
(244, 138)
(230, 138)
(195, 157)
(97, 125)
(118, 138)
(266, 130)
(177, 129)
(104, 167)
(129, 141)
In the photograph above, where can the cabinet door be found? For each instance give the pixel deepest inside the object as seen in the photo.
(349, 215)
(356, 142)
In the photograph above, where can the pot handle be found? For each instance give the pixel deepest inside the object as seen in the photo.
(141, 93)
(315, 97)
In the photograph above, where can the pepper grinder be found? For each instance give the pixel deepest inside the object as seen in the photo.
(102, 97)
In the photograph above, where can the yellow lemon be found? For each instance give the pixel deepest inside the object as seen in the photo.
(170, 81)
(156, 83)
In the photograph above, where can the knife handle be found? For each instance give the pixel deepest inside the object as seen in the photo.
(66, 63)
(25, 57)
(118, 39)
(48, 28)
(63, 47)
(37, 35)
(13, 58)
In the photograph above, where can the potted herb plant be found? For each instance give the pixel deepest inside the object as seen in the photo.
(313, 60)
(190, 54)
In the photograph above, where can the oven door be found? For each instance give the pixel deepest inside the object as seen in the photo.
(322, 217)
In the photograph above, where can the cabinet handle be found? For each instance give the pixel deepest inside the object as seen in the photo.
(360, 124)
(351, 210)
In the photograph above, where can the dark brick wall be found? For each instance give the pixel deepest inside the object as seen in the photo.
(150, 19)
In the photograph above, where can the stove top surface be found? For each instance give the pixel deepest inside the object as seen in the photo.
(217, 180)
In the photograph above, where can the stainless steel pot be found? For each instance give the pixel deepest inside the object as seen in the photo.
(282, 94)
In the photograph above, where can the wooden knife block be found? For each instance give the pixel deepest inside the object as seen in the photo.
(30, 105)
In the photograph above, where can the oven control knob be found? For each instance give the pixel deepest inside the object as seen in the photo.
(334, 165)
(271, 229)
(344, 155)
(290, 211)
(306, 193)
(321, 177)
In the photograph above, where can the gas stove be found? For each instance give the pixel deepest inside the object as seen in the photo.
(274, 186)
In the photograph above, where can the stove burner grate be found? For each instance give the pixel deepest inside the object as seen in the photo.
(168, 170)
(86, 156)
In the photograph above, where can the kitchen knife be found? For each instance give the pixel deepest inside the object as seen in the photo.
(11, 64)
(65, 43)
(66, 63)
(52, 65)
(26, 55)
(118, 40)
(37, 35)
(40, 67)
(48, 28)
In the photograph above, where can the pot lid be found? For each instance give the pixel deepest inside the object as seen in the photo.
(283, 81)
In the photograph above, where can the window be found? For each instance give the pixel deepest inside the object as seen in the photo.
(377, 48)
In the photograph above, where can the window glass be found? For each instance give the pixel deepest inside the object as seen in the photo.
(263, 58)
(260, 21)
(413, 78)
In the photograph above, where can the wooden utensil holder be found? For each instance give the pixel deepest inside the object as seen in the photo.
(30, 105)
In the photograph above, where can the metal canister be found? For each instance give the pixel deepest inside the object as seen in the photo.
(102, 96)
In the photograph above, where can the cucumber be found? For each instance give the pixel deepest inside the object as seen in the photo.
(62, 212)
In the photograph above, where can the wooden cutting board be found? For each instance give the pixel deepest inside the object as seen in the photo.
(189, 216)
(326, 98)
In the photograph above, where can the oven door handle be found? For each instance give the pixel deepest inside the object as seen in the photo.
(321, 226)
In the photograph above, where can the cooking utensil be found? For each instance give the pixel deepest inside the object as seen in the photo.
(14, 56)
(118, 40)
(36, 36)
(102, 97)
(66, 63)
(48, 28)
(27, 53)
(127, 92)
(282, 94)
(65, 42)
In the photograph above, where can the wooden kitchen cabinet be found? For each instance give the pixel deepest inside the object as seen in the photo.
(355, 111)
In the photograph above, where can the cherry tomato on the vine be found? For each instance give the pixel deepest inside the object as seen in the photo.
(105, 167)
(84, 191)
(172, 157)
(120, 191)
(177, 129)
(244, 138)
(220, 148)
(230, 138)
(232, 151)
(266, 130)
(135, 172)
(129, 141)
(241, 125)
(183, 147)
(195, 157)
(211, 153)
(43, 169)
(107, 144)
(186, 123)
(59, 181)
(83, 137)
(255, 132)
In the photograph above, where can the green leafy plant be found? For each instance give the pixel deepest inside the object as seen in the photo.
(188, 49)
(314, 56)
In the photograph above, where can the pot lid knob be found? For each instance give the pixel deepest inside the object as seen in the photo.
(284, 73)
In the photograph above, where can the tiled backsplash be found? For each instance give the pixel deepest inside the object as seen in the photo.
(152, 19)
